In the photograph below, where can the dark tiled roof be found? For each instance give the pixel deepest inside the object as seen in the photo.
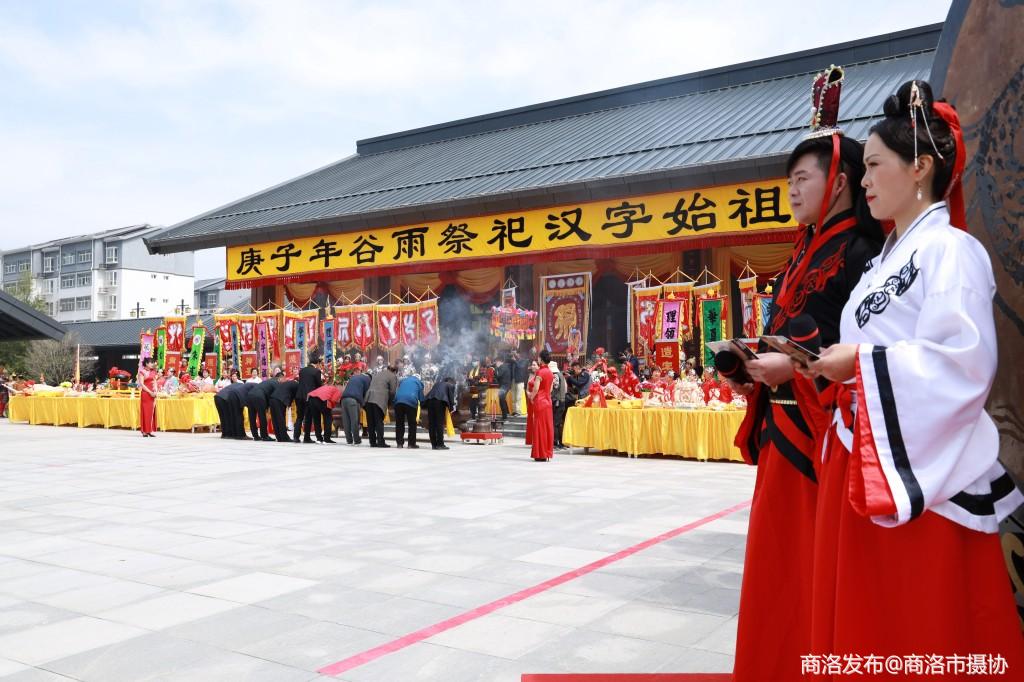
(742, 117)
(19, 321)
(123, 332)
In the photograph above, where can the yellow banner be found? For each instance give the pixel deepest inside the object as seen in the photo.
(706, 212)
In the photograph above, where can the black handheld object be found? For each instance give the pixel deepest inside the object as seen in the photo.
(731, 367)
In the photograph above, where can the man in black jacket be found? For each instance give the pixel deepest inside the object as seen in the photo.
(258, 401)
(440, 398)
(232, 421)
(577, 383)
(281, 400)
(352, 401)
(503, 375)
(310, 379)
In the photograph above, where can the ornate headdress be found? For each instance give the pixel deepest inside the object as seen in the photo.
(825, 92)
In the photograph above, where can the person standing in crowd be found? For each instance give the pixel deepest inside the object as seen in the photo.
(558, 393)
(477, 386)
(258, 402)
(408, 398)
(254, 377)
(785, 421)
(543, 418)
(4, 392)
(352, 400)
(531, 393)
(907, 554)
(503, 375)
(519, 366)
(577, 383)
(629, 357)
(321, 402)
(379, 397)
(310, 379)
(147, 386)
(281, 399)
(441, 398)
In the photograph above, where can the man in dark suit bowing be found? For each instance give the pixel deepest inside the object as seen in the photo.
(310, 379)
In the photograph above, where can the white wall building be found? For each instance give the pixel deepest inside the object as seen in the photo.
(103, 276)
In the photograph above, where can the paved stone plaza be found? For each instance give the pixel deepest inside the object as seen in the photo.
(187, 557)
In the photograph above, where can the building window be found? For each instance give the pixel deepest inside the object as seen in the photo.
(85, 256)
(67, 281)
(67, 305)
(167, 276)
(47, 263)
(50, 309)
(83, 303)
(23, 267)
(10, 268)
(51, 286)
(153, 300)
(85, 279)
(111, 255)
(112, 278)
(153, 276)
(165, 300)
(211, 299)
(69, 259)
(113, 302)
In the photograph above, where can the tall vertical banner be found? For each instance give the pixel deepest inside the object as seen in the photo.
(362, 326)
(410, 323)
(195, 354)
(565, 311)
(161, 347)
(210, 361)
(329, 344)
(217, 350)
(682, 292)
(508, 297)
(272, 318)
(236, 362)
(291, 320)
(145, 347)
(292, 363)
(631, 288)
(172, 361)
(762, 312)
(223, 325)
(645, 324)
(312, 319)
(748, 291)
(712, 312)
(300, 342)
(263, 348)
(343, 328)
(428, 330)
(389, 333)
(248, 364)
(175, 334)
(669, 320)
(247, 333)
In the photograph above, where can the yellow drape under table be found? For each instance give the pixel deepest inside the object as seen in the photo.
(701, 434)
(172, 414)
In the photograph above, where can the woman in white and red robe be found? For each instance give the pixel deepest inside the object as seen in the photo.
(908, 560)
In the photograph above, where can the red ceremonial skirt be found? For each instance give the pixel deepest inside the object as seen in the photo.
(774, 621)
(929, 588)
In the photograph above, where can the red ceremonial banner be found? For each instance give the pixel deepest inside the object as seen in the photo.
(646, 319)
(290, 319)
(410, 315)
(343, 328)
(248, 359)
(666, 355)
(273, 320)
(246, 333)
(362, 326)
(565, 310)
(427, 329)
(210, 365)
(175, 335)
(389, 333)
(292, 361)
(312, 319)
(173, 362)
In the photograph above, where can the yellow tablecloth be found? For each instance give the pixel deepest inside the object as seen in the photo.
(172, 414)
(493, 407)
(703, 434)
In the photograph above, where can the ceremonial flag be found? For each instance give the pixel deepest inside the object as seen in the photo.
(669, 314)
(312, 319)
(247, 333)
(248, 364)
(291, 320)
(343, 327)
(195, 355)
(389, 333)
(646, 319)
(175, 334)
(684, 294)
(210, 362)
(300, 342)
(173, 361)
(362, 326)
(263, 348)
(762, 312)
(161, 347)
(410, 316)
(329, 342)
(748, 290)
(712, 312)
(565, 312)
(273, 320)
(146, 340)
(427, 331)
(235, 363)
(292, 363)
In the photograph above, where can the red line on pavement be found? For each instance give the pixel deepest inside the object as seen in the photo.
(480, 611)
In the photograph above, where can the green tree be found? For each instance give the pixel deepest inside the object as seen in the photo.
(13, 354)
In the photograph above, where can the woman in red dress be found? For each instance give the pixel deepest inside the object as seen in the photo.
(147, 384)
(531, 385)
(543, 416)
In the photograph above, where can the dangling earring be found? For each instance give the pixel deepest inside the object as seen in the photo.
(919, 191)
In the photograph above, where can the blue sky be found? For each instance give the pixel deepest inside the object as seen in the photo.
(116, 113)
